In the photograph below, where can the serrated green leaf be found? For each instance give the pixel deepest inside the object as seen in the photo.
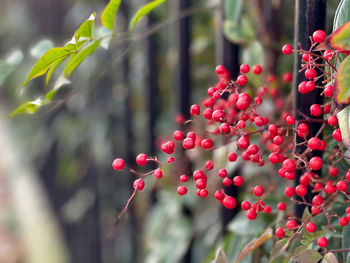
(298, 250)
(46, 61)
(342, 14)
(85, 29)
(346, 241)
(278, 248)
(329, 258)
(29, 107)
(52, 69)
(109, 13)
(305, 242)
(342, 82)
(344, 125)
(79, 57)
(143, 11)
(41, 47)
(308, 256)
(340, 38)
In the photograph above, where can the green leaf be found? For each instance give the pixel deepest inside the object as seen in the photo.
(52, 69)
(29, 107)
(342, 14)
(8, 65)
(344, 125)
(41, 47)
(278, 248)
(221, 256)
(79, 57)
(46, 61)
(239, 32)
(346, 241)
(241, 225)
(108, 14)
(307, 256)
(59, 83)
(85, 29)
(329, 258)
(143, 11)
(306, 214)
(340, 38)
(342, 82)
(298, 250)
(232, 9)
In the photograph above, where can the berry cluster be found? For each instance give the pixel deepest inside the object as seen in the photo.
(234, 119)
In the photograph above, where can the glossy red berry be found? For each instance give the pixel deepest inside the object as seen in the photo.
(344, 221)
(310, 227)
(316, 110)
(141, 159)
(310, 73)
(139, 184)
(244, 68)
(315, 163)
(281, 206)
(289, 191)
(178, 135)
(291, 224)
(301, 190)
(242, 80)
(229, 202)
(280, 232)
(328, 91)
(329, 189)
(314, 143)
(168, 147)
(257, 69)
(227, 181)
(289, 165)
(222, 173)
(118, 164)
(219, 195)
(317, 200)
(238, 181)
(245, 205)
(207, 144)
(232, 157)
(287, 49)
(220, 69)
(319, 36)
(337, 135)
(243, 142)
(332, 120)
(258, 190)
(333, 171)
(322, 242)
(158, 173)
(188, 143)
(251, 214)
(182, 190)
(290, 120)
(342, 186)
(209, 165)
(184, 178)
(195, 110)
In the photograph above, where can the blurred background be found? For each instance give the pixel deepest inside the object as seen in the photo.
(59, 195)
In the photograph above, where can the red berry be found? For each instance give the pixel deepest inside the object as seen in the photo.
(243, 142)
(301, 190)
(244, 68)
(306, 57)
(310, 73)
(310, 85)
(319, 36)
(279, 232)
(337, 135)
(219, 195)
(168, 147)
(141, 159)
(290, 120)
(329, 189)
(289, 191)
(207, 144)
(118, 164)
(291, 224)
(229, 202)
(253, 149)
(257, 69)
(316, 110)
(245, 205)
(188, 143)
(251, 214)
(195, 110)
(258, 190)
(322, 242)
(232, 157)
(220, 69)
(314, 143)
(227, 181)
(315, 163)
(182, 190)
(207, 113)
(332, 120)
(158, 173)
(225, 127)
(199, 174)
(333, 171)
(317, 200)
(222, 173)
(281, 206)
(218, 115)
(302, 88)
(238, 181)
(328, 91)
(310, 227)
(289, 165)
(171, 159)
(139, 184)
(344, 221)
(267, 209)
(242, 80)
(278, 140)
(209, 165)
(287, 77)
(287, 49)
(342, 186)
(184, 178)
(178, 135)
(201, 183)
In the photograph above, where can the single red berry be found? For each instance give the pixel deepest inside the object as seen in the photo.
(306, 57)
(207, 113)
(281, 206)
(253, 149)
(326, 108)
(301, 190)
(245, 205)
(305, 179)
(258, 190)
(251, 214)
(178, 135)
(229, 202)
(344, 221)
(280, 232)
(257, 69)
(289, 176)
(168, 147)
(220, 69)
(315, 210)
(287, 77)
(259, 121)
(267, 209)
(238, 181)
(314, 143)
(310, 227)
(201, 183)
(207, 144)
(289, 165)
(182, 190)
(278, 140)
(141, 159)
(188, 143)
(310, 73)
(232, 157)
(333, 171)
(209, 165)
(241, 124)
(328, 54)
(319, 36)
(222, 173)
(225, 127)
(342, 186)
(227, 181)
(329, 189)
(322, 242)
(195, 110)
(287, 49)
(328, 91)
(302, 88)
(139, 184)
(291, 224)
(274, 158)
(337, 135)
(244, 68)
(199, 174)
(317, 200)
(315, 163)
(158, 173)
(316, 110)
(118, 164)
(289, 191)
(243, 142)
(310, 85)
(290, 120)
(242, 80)
(332, 120)
(171, 159)
(184, 178)
(219, 195)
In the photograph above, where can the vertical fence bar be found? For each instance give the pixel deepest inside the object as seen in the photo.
(309, 16)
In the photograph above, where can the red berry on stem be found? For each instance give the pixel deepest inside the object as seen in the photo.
(257, 69)
(314, 143)
(291, 224)
(319, 36)
(310, 227)
(337, 135)
(315, 163)
(141, 159)
(244, 68)
(310, 73)
(139, 184)
(316, 110)
(229, 202)
(342, 186)
(245, 205)
(118, 164)
(280, 232)
(258, 190)
(158, 173)
(289, 191)
(301, 190)
(322, 242)
(242, 80)
(287, 49)
(243, 142)
(182, 190)
(184, 178)
(251, 214)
